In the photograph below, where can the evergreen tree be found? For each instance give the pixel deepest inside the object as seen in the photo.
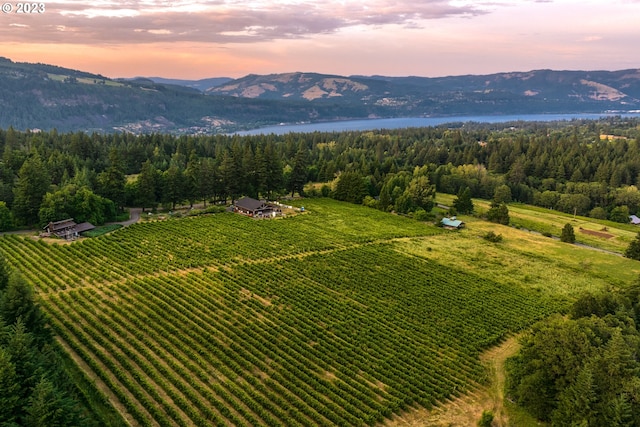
(568, 235)
(576, 402)
(48, 407)
(463, 203)
(350, 187)
(4, 275)
(33, 183)
(112, 181)
(260, 181)
(192, 175)
(209, 183)
(174, 185)
(231, 175)
(147, 185)
(633, 250)
(17, 303)
(422, 193)
(6, 218)
(250, 172)
(498, 213)
(22, 351)
(9, 390)
(274, 172)
(583, 370)
(298, 177)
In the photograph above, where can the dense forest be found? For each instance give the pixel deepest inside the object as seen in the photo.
(582, 167)
(582, 370)
(35, 389)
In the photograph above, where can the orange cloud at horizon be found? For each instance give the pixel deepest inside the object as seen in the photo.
(175, 61)
(202, 38)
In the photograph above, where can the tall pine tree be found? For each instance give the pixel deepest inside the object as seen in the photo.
(463, 203)
(633, 250)
(33, 183)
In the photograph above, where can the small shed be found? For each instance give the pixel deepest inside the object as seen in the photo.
(452, 223)
(634, 220)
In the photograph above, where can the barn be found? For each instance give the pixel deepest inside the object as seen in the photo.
(255, 208)
(67, 229)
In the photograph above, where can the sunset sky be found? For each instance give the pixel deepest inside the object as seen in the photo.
(232, 38)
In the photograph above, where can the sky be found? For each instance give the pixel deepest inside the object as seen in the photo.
(232, 38)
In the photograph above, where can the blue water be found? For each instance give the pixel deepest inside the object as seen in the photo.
(399, 123)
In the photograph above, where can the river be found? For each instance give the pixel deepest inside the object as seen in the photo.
(407, 122)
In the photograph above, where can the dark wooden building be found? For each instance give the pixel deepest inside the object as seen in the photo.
(255, 208)
(67, 229)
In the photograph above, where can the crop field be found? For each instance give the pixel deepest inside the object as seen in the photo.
(340, 316)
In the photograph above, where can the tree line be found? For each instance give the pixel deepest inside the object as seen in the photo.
(582, 369)
(35, 390)
(583, 167)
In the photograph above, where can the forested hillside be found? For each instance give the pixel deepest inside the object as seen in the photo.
(41, 96)
(538, 91)
(587, 168)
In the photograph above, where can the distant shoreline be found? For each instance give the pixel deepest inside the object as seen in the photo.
(407, 122)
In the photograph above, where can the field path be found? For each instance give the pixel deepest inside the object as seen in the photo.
(494, 360)
(466, 410)
(134, 216)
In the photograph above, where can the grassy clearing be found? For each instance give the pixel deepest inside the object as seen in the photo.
(525, 259)
(544, 220)
(99, 231)
(86, 80)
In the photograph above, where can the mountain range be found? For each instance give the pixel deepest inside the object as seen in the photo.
(46, 96)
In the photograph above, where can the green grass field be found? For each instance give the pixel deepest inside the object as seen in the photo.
(343, 315)
(614, 236)
(86, 80)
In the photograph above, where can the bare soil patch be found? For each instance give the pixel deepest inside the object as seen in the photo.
(601, 234)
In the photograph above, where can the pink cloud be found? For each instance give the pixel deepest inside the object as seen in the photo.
(222, 21)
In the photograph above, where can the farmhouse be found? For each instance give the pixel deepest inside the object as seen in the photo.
(255, 208)
(67, 229)
(452, 223)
